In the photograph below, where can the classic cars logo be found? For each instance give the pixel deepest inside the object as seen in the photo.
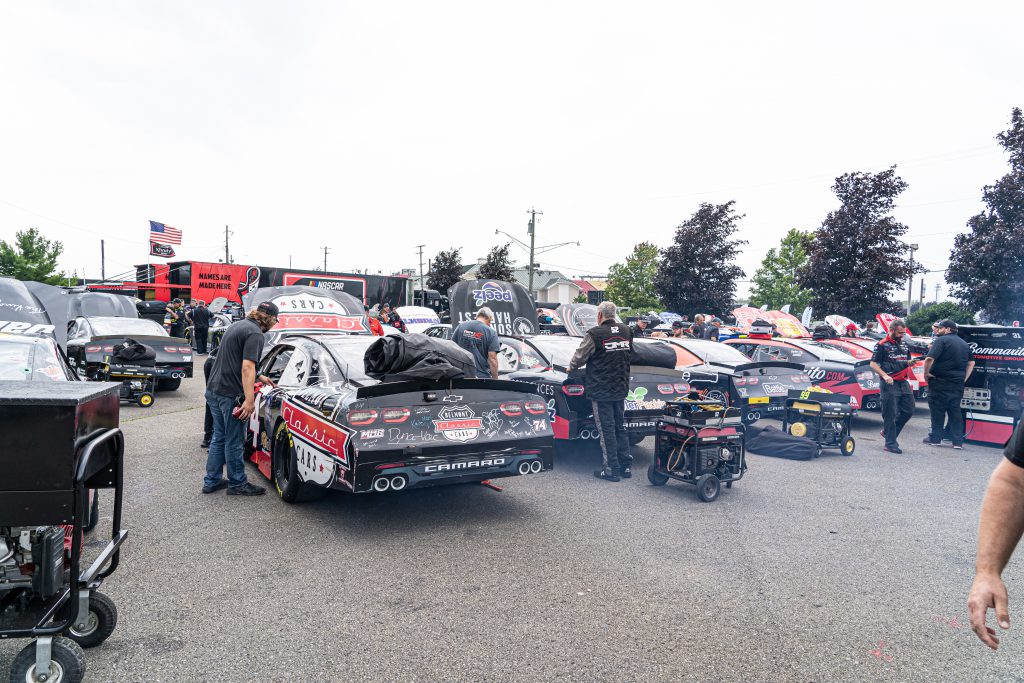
(317, 432)
(458, 423)
(490, 291)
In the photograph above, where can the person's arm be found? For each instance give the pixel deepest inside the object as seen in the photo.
(492, 363)
(928, 363)
(999, 531)
(970, 369)
(248, 384)
(493, 346)
(583, 353)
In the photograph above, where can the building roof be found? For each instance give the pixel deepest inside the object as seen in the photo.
(542, 279)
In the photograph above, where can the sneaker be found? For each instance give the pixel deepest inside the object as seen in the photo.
(958, 447)
(887, 448)
(204, 444)
(881, 433)
(246, 489)
(223, 483)
(606, 474)
(949, 441)
(927, 440)
(626, 472)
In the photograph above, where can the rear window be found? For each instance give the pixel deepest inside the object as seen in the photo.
(117, 326)
(825, 352)
(558, 350)
(351, 358)
(714, 352)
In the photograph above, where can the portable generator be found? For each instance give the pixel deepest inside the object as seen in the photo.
(701, 443)
(820, 416)
(133, 364)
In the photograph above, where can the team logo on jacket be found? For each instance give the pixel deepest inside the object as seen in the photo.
(458, 423)
(490, 291)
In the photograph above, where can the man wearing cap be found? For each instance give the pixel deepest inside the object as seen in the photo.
(677, 328)
(892, 362)
(948, 365)
(712, 328)
(232, 385)
(639, 328)
(480, 339)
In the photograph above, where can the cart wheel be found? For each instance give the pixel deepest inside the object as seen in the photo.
(654, 476)
(94, 512)
(101, 622)
(145, 399)
(67, 664)
(847, 446)
(708, 487)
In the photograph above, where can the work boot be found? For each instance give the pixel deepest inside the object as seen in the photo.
(626, 472)
(205, 443)
(892, 449)
(607, 474)
(216, 487)
(246, 489)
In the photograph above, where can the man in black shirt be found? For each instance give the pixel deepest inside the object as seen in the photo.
(892, 362)
(999, 531)
(639, 328)
(948, 365)
(712, 329)
(230, 386)
(200, 319)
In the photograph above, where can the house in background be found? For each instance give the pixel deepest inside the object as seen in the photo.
(549, 286)
(593, 289)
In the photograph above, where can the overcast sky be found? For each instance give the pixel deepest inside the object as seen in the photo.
(373, 127)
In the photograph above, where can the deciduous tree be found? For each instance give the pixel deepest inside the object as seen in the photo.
(445, 270)
(497, 265)
(631, 284)
(920, 321)
(31, 257)
(775, 282)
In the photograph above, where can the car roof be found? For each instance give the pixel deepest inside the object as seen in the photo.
(22, 338)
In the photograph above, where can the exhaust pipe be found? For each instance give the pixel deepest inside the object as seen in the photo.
(381, 484)
(536, 466)
(398, 483)
(524, 467)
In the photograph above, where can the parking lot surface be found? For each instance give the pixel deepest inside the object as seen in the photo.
(837, 569)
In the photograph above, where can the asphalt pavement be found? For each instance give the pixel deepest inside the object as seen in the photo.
(837, 569)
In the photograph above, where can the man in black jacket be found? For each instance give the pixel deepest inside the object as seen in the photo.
(605, 350)
(892, 362)
(947, 367)
(200, 319)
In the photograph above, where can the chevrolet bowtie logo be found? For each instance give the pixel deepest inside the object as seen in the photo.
(452, 398)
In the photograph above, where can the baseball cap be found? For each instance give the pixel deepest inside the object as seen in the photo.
(268, 307)
(946, 322)
(677, 324)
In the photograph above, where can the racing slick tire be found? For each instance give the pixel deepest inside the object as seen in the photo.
(145, 399)
(636, 439)
(654, 476)
(847, 446)
(284, 470)
(94, 511)
(169, 384)
(101, 622)
(708, 487)
(67, 663)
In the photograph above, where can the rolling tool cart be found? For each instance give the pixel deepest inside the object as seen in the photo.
(59, 439)
(699, 442)
(822, 417)
(133, 365)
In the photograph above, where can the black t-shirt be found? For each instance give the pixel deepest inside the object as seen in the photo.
(201, 316)
(242, 341)
(1015, 446)
(951, 354)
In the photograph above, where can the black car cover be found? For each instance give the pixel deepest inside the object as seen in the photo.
(411, 356)
(656, 355)
(131, 351)
(778, 444)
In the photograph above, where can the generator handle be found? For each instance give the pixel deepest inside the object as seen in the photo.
(117, 436)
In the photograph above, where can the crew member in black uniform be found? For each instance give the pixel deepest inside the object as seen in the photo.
(606, 350)
(892, 362)
(200, 318)
(639, 328)
(947, 367)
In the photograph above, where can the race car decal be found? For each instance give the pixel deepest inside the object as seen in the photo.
(315, 432)
(458, 423)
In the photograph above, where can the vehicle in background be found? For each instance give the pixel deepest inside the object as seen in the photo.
(33, 358)
(310, 310)
(864, 349)
(993, 400)
(153, 309)
(91, 340)
(417, 318)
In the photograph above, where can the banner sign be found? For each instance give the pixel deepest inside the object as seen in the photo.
(786, 325)
(161, 250)
(515, 313)
(998, 351)
(312, 309)
(213, 280)
(745, 315)
(368, 289)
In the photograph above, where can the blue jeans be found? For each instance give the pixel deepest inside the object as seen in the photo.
(226, 444)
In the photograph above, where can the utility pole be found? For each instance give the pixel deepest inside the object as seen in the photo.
(103, 262)
(227, 252)
(533, 240)
(910, 287)
(936, 292)
(325, 257)
(422, 286)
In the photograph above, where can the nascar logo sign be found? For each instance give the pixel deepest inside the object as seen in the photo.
(458, 423)
(491, 291)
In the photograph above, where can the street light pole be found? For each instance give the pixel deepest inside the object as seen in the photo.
(533, 239)
(422, 286)
(910, 286)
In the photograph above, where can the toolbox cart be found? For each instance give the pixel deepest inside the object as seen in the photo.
(699, 442)
(822, 417)
(59, 439)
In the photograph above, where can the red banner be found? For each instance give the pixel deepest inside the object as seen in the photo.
(211, 280)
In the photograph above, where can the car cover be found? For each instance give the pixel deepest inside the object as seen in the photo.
(33, 308)
(515, 313)
(312, 309)
(99, 304)
(778, 444)
(131, 351)
(417, 356)
(657, 355)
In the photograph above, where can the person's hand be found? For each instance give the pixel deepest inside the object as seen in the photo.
(266, 380)
(888, 379)
(247, 408)
(988, 592)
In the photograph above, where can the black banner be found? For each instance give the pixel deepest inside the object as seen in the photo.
(161, 250)
(369, 289)
(515, 313)
(997, 350)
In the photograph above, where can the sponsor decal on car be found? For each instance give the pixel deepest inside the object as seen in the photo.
(635, 400)
(316, 431)
(371, 434)
(458, 423)
(773, 388)
(491, 291)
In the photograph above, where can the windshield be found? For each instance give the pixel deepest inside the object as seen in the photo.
(559, 350)
(103, 327)
(712, 351)
(824, 351)
(350, 356)
(24, 361)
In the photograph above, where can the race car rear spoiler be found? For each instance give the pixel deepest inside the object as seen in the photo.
(755, 365)
(389, 388)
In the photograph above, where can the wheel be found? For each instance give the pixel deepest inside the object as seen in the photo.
(708, 487)
(168, 384)
(93, 516)
(100, 624)
(67, 664)
(285, 469)
(654, 476)
(145, 399)
(847, 446)
(635, 439)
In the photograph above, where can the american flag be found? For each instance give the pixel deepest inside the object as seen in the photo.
(164, 234)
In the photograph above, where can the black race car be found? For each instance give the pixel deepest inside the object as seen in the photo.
(92, 339)
(327, 425)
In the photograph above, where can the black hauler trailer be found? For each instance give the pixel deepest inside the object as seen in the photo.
(994, 393)
(57, 441)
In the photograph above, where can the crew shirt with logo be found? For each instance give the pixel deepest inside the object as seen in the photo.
(479, 339)
(894, 358)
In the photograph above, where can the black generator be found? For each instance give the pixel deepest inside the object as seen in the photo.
(701, 443)
(133, 364)
(60, 440)
(822, 417)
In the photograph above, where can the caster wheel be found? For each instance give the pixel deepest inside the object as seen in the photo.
(654, 476)
(145, 399)
(848, 446)
(708, 487)
(94, 512)
(101, 622)
(67, 664)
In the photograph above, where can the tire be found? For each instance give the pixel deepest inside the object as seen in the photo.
(94, 512)
(102, 622)
(708, 487)
(145, 400)
(168, 384)
(654, 476)
(847, 446)
(284, 470)
(636, 439)
(67, 663)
